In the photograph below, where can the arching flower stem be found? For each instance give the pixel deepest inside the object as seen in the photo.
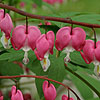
(41, 77)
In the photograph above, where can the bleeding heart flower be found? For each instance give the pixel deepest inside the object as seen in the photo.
(22, 4)
(46, 23)
(49, 91)
(25, 40)
(16, 94)
(1, 94)
(6, 26)
(64, 97)
(27, 96)
(92, 54)
(70, 40)
(50, 1)
(60, 1)
(44, 45)
(1, 98)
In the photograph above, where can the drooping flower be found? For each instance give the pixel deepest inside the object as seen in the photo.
(16, 94)
(46, 23)
(69, 39)
(27, 96)
(50, 1)
(92, 54)
(53, 1)
(64, 97)
(6, 26)
(59, 1)
(25, 40)
(1, 94)
(49, 91)
(44, 45)
(1, 98)
(22, 4)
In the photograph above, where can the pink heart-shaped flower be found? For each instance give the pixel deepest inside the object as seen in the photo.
(64, 97)
(49, 91)
(19, 37)
(44, 44)
(1, 14)
(64, 38)
(6, 24)
(90, 53)
(1, 98)
(16, 94)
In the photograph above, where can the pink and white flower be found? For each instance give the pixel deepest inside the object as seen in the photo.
(68, 39)
(25, 40)
(50, 1)
(16, 94)
(49, 91)
(44, 45)
(6, 26)
(1, 98)
(92, 54)
(64, 97)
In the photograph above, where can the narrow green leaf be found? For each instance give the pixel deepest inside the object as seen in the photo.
(92, 83)
(77, 59)
(38, 2)
(81, 86)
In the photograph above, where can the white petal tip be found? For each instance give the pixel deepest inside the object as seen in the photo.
(5, 42)
(25, 61)
(45, 64)
(97, 71)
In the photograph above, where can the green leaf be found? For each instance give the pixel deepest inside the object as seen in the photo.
(53, 28)
(10, 69)
(35, 66)
(12, 56)
(94, 82)
(77, 59)
(57, 69)
(38, 2)
(39, 83)
(94, 99)
(84, 90)
(91, 82)
(49, 6)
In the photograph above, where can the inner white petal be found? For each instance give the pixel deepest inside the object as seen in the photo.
(97, 70)
(46, 55)
(68, 50)
(26, 59)
(95, 62)
(26, 47)
(5, 42)
(45, 64)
